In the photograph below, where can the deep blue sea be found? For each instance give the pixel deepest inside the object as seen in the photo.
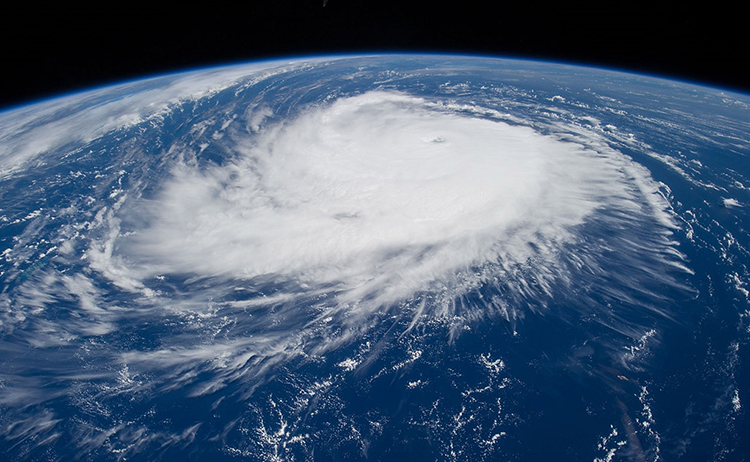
(393, 257)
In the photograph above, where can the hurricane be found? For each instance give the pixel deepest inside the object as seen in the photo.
(267, 263)
(376, 198)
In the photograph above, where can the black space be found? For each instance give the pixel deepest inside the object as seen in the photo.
(65, 48)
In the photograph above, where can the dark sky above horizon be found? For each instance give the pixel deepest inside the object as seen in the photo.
(62, 49)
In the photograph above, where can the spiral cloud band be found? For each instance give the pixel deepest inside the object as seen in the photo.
(375, 197)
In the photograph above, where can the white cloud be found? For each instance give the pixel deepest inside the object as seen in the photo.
(729, 202)
(32, 131)
(375, 197)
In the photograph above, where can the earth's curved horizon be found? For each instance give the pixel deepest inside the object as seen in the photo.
(375, 257)
(79, 90)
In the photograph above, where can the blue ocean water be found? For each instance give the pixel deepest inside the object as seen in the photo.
(376, 258)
